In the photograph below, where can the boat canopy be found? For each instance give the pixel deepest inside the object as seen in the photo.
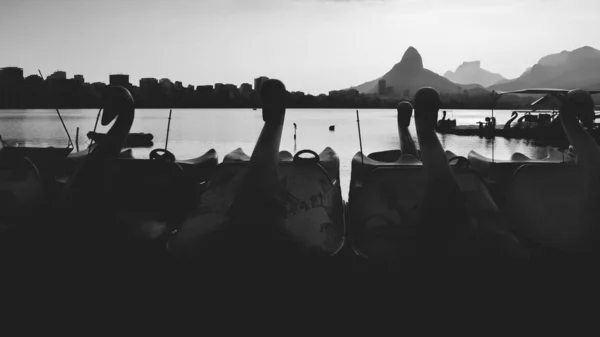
(541, 91)
(547, 92)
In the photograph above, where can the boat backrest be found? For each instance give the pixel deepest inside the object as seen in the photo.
(362, 165)
(201, 168)
(311, 191)
(500, 171)
(543, 204)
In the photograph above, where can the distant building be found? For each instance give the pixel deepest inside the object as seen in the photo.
(218, 86)
(382, 85)
(204, 88)
(57, 75)
(246, 89)
(34, 80)
(11, 76)
(166, 83)
(11, 82)
(178, 85)
(258, 82)
(79, 79)
(119, 79)
(148, 82)
(344, 94)
(389, 90)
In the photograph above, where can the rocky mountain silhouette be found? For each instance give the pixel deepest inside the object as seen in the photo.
(472, 73)
(408, 75)
(579, 68)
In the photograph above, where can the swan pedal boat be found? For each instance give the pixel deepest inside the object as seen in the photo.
(312, 199)
(150, 198)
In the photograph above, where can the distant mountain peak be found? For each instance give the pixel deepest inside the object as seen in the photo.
(470, 72)
(472, 64)
(566, 69)
(407, 76)
(412, 59)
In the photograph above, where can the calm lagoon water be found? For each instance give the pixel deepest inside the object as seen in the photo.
(195, 131)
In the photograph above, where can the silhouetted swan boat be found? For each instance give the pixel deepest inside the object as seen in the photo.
(120, 207)
(148, 198)
(429, 210)
(271, 205)
(557, 208)
(86, 206)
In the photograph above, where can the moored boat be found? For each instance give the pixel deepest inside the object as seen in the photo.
(132, 140)
(542, 127)
(424, 208)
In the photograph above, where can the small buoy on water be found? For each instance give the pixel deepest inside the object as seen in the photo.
(332, 128)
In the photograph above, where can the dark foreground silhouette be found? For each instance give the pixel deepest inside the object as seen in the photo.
(274, 210)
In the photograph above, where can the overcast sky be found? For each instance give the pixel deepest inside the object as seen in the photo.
(312, 45)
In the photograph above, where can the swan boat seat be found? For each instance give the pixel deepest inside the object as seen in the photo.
(383, 208)
(311, 196)
(497, 173)
(542, 206)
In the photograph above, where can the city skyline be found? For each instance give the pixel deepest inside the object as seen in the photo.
(314, 46)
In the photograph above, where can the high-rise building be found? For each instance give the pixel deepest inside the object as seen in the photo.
(11, 76)
(79, 79)
(204, 88)
(246, 89)
(382, 87)
(11, 82)
(148, 82)
(258, 82)
(165, 83)
(119, 79)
